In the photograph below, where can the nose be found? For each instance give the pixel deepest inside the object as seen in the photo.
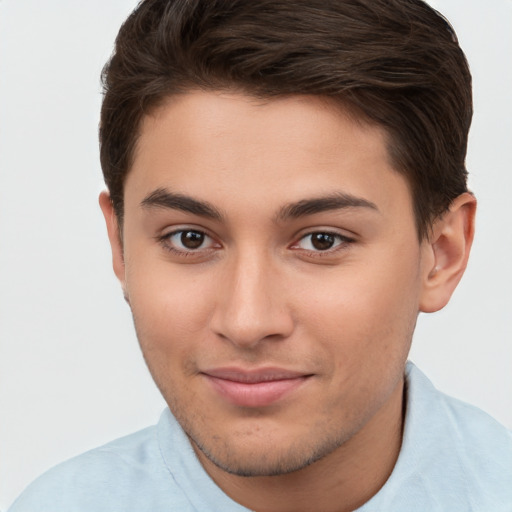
(251, 304)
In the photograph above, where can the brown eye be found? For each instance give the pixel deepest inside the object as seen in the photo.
(323, 241)
(192, 239)
(187, 241)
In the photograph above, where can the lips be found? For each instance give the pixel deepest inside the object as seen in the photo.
(254, 388)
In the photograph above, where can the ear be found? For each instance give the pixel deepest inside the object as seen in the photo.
(447, 252)
(114, 235)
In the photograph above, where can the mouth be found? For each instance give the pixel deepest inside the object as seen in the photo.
(254, 388)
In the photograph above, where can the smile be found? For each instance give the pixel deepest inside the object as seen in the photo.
(258, 388)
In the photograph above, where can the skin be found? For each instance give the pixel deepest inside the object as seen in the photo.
(330, 292)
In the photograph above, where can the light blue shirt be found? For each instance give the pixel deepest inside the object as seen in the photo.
(454, 458)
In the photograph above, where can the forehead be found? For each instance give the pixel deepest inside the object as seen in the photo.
(204, 117)
(216, 143)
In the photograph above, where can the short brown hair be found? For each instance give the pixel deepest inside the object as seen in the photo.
(397, 63)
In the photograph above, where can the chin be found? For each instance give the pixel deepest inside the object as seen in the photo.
(270, 460)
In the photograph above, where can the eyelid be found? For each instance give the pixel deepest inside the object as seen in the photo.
(344, 241)
(179, 228)
(165, 241)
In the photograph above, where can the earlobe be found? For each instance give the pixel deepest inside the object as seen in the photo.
(114, 237)
(447, 251)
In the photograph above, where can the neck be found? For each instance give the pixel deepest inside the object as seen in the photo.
(340, 482)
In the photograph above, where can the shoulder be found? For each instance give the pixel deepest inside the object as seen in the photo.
(465, 453)
(127, 474)
(154, 470)
(454, 457)
(463, 424)
(482, 445)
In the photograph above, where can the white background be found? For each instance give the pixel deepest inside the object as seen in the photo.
(71, 375)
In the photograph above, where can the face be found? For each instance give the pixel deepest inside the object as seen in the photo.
(274, 273)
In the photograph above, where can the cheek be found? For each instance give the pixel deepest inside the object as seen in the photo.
(364, 315)
(170, 313)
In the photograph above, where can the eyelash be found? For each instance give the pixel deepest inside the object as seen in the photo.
(343, 243)
(165, 241)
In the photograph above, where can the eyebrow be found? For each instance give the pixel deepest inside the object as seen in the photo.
(163, 198)
(336, 201)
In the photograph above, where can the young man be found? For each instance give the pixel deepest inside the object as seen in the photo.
(286, 192)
